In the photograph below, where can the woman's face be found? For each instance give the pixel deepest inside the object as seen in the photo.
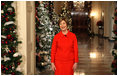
(63, 25)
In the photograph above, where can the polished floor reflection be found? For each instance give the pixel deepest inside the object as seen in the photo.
(94, 56)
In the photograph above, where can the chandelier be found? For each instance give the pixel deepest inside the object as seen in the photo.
(79, 5)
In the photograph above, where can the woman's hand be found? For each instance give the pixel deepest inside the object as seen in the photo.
(53, 66)
(75, 66)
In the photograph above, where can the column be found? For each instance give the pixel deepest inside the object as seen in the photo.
(25, 16)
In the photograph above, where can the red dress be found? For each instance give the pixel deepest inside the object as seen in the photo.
(64, 53)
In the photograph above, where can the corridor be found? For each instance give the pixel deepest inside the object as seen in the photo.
(94, 56)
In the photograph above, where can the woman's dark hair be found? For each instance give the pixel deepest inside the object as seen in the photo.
(61, 19)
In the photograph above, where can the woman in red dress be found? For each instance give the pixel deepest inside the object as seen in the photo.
(64, 51)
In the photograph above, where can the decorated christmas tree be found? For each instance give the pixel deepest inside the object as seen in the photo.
(66, 14)
(114, 51)
(51, 7)
(54, 17)
(44, 35)
(10, 58)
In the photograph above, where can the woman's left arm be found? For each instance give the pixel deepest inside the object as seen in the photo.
(75, 49)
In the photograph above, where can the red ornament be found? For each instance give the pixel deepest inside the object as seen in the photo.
(6, 42)
(13, 27)
(10, 29)
(2, 42)
(9, 51)
(10, 66)
(3, 4)
(9, 36)
(6, 14)
(18, 63)
(6, 19)
(14, 51)
(13, 73)
(6, 68)
(2, 66)
(12, 12)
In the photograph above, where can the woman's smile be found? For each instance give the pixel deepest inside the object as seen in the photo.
(63, 25)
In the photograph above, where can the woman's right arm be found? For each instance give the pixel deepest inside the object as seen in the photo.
(53, 50)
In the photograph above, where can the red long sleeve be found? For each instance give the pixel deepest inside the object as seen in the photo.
(64, 48)
(75, 49)
(53, 50)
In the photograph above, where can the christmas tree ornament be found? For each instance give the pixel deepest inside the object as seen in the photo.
(3, 4)
(6, 68)
(8, 23)
(10, 9)
(6, 58)
(6, 19)
(16, 55)
(9, 36)
(10, 67)
(6, 14)
(6, 42)
(3, 36)
(18, 63)
(7, 49)
(13, 67)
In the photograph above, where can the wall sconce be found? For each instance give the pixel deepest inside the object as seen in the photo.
(92, 14)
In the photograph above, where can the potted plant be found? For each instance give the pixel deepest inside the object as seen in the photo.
(100, 24)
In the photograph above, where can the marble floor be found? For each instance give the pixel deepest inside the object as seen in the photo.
(94, 56)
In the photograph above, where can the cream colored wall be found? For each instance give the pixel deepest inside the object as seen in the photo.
(25, 21)
(108, 8)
